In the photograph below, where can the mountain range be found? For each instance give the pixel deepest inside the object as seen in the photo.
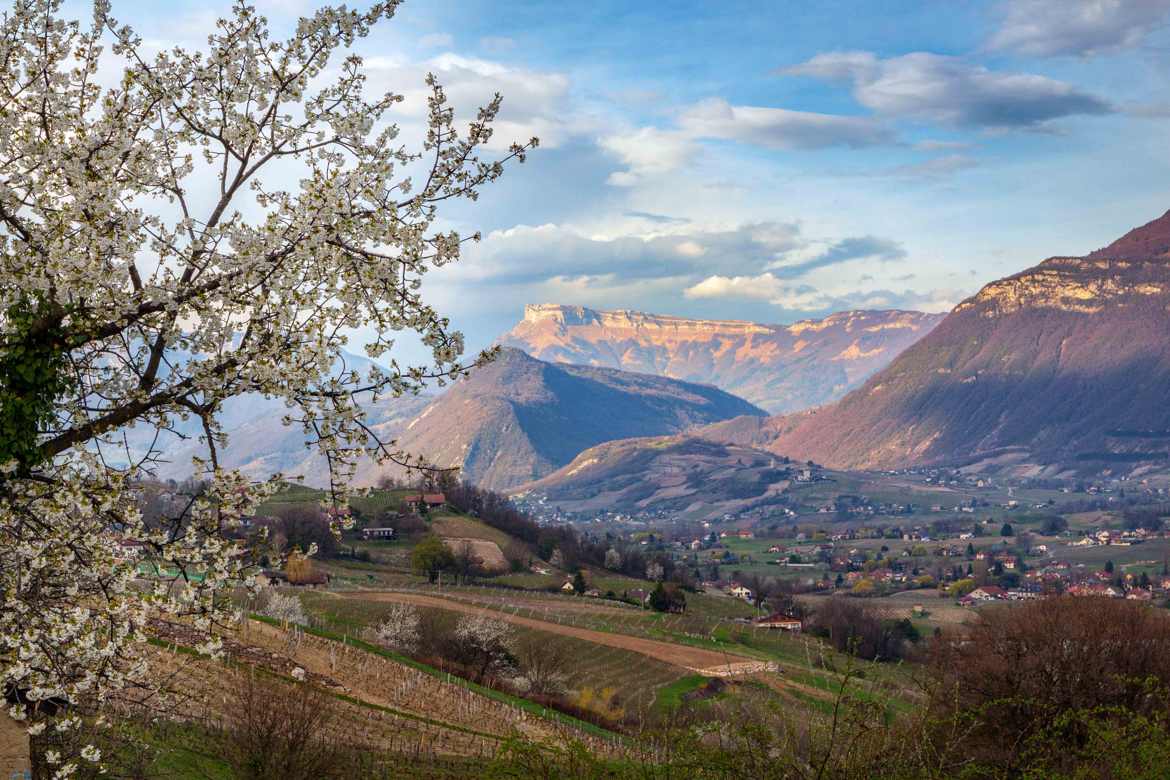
(1057, 370)
(780, 368)
(517, 418)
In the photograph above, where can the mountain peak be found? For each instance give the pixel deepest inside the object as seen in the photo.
(1148, 242)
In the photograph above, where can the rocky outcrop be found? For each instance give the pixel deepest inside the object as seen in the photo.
(780, 368)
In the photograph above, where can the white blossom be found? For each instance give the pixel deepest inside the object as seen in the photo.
(285, 608)
(399, 628)
(140, 227)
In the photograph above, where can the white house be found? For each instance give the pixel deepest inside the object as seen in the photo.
(740, 592)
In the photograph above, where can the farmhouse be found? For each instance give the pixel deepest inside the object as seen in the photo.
(429, 500)
(378, 533)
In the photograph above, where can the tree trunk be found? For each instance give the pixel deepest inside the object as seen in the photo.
(14, 752)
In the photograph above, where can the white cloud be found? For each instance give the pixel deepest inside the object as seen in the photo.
(647, 151)
(535, 102)
(524, 254)
(936, 88)
(650, 151)
(1044, 28)
(769, 288)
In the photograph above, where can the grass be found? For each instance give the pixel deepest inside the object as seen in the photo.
(167, 749)
(670, 697)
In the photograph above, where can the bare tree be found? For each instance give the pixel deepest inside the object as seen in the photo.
(282, 731)
(543, 664)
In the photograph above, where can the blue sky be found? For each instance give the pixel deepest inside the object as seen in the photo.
(782, 160)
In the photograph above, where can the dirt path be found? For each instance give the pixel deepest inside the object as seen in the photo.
(712, 663)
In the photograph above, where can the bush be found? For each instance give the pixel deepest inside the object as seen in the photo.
(279, 731)
(1031, 677)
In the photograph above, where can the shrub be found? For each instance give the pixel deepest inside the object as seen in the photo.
(279, 731)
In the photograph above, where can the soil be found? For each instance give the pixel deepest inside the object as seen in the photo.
(13, 748)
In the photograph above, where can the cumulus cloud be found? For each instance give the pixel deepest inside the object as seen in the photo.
(773, 263)
(842, 251)
(948, 90)
(1045, 28)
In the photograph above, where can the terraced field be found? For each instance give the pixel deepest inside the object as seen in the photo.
(703, 661)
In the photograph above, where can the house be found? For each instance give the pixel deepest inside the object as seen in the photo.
(429, 500)
(638, 595)
(776, 549)
(130, 550)
(1022, 594)
(1139, 594)
(988, 593)
(568, 586)
(782, 622)
(378, 533)
(740, 592)
(1095, 589)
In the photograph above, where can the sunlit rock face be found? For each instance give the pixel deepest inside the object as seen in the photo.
(1063, 366)
(780, 368)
